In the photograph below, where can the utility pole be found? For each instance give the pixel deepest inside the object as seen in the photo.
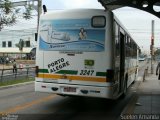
(39, 10)
(152, 46)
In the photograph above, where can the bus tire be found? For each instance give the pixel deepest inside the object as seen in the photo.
(125, 87)
(133, 82)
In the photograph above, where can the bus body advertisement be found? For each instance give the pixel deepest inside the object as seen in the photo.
(78, 53)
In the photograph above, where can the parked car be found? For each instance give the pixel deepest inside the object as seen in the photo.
(141, 58)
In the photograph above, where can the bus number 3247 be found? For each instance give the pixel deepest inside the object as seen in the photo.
(87, 72)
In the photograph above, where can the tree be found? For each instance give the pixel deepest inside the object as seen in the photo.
(9, 14)
(157, 52)
(20, 45)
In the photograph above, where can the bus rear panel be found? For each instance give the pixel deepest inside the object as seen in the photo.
(75, 54)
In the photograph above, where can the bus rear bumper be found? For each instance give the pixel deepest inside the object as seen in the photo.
(75, 90)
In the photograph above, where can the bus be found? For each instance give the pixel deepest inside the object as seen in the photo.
(84, 52)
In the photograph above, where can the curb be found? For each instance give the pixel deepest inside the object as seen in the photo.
(16, 85)
(129, 109)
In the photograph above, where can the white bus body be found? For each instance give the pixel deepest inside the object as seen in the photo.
(82, 59)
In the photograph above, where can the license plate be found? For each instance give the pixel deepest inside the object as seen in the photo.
(69, 89)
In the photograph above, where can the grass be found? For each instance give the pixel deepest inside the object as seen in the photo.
(13, 82)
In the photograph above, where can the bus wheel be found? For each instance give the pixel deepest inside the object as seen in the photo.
(133, 82)
(124, 89)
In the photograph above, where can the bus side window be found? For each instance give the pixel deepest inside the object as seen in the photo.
(117, 40)
(127, 48)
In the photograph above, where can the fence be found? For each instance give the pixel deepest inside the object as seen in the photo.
(8, 74)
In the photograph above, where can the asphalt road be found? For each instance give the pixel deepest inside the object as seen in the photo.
(25, 104)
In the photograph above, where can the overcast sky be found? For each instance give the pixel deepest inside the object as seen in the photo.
(136, 21)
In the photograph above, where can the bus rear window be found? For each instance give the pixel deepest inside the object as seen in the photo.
(98, 21)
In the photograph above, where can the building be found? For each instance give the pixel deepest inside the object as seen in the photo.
(9, 39)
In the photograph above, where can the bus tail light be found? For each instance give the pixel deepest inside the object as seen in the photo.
(110, 75)
(36, 71)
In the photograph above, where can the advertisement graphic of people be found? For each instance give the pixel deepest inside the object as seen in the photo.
(71, 35)
(82, 34)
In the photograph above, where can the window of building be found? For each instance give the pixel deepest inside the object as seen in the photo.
(9, 44)
(4, 44)
(27, 43)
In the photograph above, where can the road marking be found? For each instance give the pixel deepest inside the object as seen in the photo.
(27, 105)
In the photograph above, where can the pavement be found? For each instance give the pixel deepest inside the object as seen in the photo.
(148, 101)
(145, 104)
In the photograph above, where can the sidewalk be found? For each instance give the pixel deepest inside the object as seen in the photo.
(145, 102)
(148, 93)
